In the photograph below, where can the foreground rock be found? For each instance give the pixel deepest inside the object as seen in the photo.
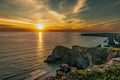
(110, 70)
(117, 38)
(101, 72)
(59, 53)
(64, 68)
(82, 57)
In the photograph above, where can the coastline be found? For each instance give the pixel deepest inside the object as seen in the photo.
(100, 34)
(44, 76)
(62, 75)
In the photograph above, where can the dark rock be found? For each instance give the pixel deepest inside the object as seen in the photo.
(106, 45)
(99, 46)
(65, 68)
(58, 54)
(117, 38)
(117, 45)
(81, 57)
(111, 41)
(105, 41)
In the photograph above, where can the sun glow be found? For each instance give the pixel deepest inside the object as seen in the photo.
(40, 26)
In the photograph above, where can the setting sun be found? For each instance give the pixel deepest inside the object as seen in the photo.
(40, 26)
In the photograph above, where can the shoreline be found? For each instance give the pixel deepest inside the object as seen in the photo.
(44, 77)
(100, 34)
(110, 62)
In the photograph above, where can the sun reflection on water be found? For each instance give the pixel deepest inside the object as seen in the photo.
(40, 48)
(40, 38)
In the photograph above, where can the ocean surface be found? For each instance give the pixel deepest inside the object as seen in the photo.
(23, 53)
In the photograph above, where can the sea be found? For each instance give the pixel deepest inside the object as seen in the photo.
(22, 54)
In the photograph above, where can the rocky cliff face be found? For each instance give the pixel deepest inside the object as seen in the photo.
(117, 38)
(59, 53)
(82, 57)
(110, 70)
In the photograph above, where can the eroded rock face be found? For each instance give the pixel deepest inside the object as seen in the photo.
(111, 41)
(117, 38)
(81, 57)
(59, 53)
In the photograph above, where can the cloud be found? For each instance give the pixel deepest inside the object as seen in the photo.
(107, 22)
(34, 10)
(26, 6)
(67, 14)
(75, 21)
(39, 11)
(14, 21)
(107, 25)
(42, 10)
(61, 5)
(79, 6)
(58, 16)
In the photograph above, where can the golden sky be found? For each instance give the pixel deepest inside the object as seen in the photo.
(82, 15)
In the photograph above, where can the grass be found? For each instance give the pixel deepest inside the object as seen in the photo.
(110, 73)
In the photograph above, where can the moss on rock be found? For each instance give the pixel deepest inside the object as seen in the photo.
(109, 73)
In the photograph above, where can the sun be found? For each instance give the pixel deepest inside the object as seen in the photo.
(40, 26)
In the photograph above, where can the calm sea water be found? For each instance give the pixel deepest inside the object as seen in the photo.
(22, 53)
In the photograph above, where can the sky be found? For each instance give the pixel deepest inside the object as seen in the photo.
(82, 15)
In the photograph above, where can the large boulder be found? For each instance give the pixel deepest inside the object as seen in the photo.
(111, 41)
(81, 57)
(59, 53)
(117, 38)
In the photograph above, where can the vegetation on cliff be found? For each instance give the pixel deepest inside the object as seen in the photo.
(103, 62)
(98, 73)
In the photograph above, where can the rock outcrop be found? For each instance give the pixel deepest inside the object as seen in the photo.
(117, 38)
(59, 53)
(111, 41)
(82, 57)
(109, 71)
